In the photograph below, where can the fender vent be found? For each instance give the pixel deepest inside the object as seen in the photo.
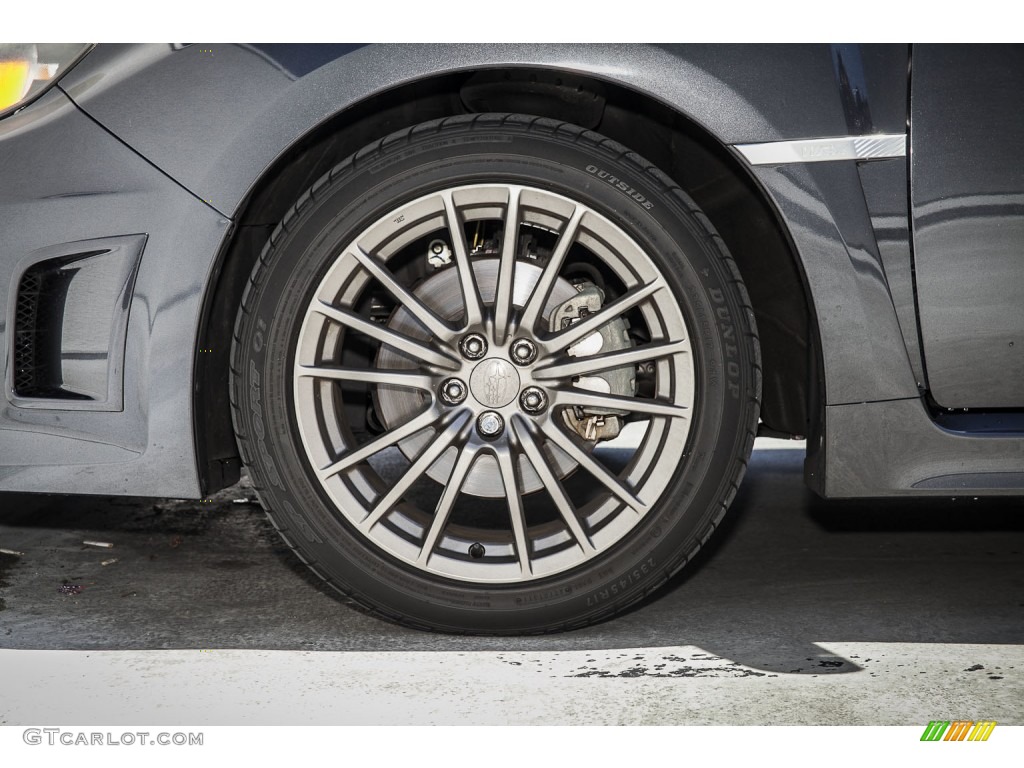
(38, 322)
(69, 323)
(25, 368)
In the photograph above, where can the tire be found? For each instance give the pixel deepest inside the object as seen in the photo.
(389, 479)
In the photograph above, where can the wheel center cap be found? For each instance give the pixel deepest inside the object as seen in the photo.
(494, 382)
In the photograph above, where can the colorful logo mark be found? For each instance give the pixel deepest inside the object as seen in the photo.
(958, 730)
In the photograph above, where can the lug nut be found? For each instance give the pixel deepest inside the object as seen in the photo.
(473, 346)
(453, 391)
(524, 351)
(490, 424)
(533, 400)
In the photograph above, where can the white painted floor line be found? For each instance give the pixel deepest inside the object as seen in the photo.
(887, 684)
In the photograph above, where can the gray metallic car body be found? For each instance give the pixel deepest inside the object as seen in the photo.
(178, 144)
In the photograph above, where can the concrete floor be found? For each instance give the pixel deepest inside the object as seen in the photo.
(801, 611)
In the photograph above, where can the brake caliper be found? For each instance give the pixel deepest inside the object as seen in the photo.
(596, 423)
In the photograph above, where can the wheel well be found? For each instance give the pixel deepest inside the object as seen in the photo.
(705, 169)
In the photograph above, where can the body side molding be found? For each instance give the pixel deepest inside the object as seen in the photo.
(875, 147)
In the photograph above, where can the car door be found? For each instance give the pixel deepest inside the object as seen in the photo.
(967, 192)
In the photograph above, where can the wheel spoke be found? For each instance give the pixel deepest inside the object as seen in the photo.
(593, 466)
(582, 329)
(378, 444)
(553, 486)
(584, 366)
(447, 502)
(420, 311)
(415, 471)
(542, 290)
(588, 399)
(392, 377)
(385, 335)
(515, 508)
(470, 292)
(506, 267)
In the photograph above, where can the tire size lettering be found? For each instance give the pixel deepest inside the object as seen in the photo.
(620, 586)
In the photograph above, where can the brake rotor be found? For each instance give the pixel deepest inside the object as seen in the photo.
(442, 292)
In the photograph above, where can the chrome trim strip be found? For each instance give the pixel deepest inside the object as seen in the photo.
(822, 150)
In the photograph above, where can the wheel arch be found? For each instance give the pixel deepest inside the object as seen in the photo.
(701, 163)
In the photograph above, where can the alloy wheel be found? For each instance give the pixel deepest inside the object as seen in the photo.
(516, 436)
